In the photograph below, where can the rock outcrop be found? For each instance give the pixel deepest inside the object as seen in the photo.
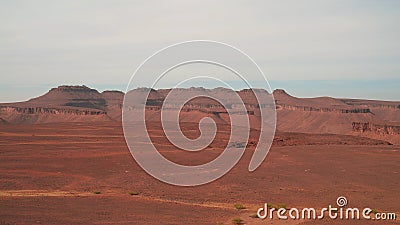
(61, 104)
(305, 115)
(376, 128)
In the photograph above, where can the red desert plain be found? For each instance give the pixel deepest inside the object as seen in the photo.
(64, 160)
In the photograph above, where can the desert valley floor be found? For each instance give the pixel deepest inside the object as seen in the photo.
(83, 173)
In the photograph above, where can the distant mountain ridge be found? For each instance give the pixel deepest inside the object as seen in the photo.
(65, 104)
(377, 119)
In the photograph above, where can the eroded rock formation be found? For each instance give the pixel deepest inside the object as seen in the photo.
(306, 115)
(376, 128)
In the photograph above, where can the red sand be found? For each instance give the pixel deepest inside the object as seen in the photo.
(49, 172)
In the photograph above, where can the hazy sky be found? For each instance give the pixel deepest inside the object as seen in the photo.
(312, 48)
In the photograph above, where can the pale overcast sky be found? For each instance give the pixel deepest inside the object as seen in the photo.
(311, 48)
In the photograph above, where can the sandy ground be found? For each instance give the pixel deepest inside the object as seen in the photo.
(49, 175)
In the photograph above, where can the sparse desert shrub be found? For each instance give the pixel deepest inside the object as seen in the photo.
(239, 206)
(133, 193)
(255, 216)
(282, 206)
(374, 211)
(96, 192)
(277, 206)
(237, 221)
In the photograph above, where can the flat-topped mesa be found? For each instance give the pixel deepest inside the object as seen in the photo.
(321, 114)
(66, 92)
(73, 88)
(62, 104)
(156, 98)
(373, 103)
(70, 96)
(284, 101)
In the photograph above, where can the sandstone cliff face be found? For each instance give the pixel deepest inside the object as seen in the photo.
(376, 128)
(56, 111)
(62, 104)
(373, 103)
(283, 106)
(203, 104)
(306, 115)
(199, 107)
(390, 133)
(74, 96)
(337, 116)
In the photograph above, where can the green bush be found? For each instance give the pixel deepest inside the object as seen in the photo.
(239, 206)
(374, 211)
(277, 206)
(237, 221)
(282, 206)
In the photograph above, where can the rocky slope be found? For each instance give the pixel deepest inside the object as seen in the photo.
(376, 119)
(64, 104)
(370, 118)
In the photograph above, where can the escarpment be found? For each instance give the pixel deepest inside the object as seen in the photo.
(372, 118)
(322, 109)
(337, 116)
(41, 110)
(156, 101)
(381, 129)
(387, 132)
(61, 104)
(285, 101)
